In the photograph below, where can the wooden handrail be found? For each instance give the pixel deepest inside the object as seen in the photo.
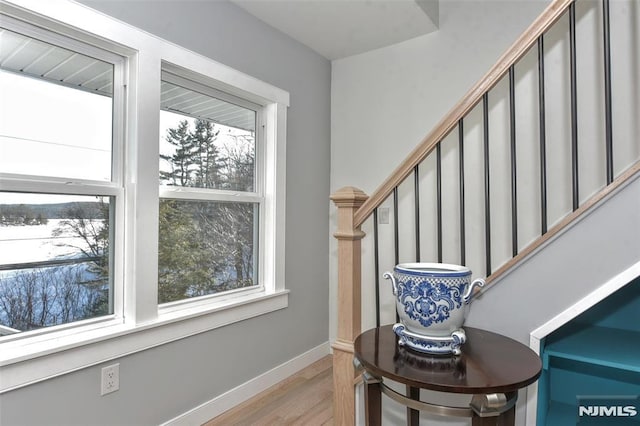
(550, 15)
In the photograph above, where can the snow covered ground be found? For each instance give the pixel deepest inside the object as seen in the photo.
(34, 243)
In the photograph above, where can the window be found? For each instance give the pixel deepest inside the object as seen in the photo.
(60, 187)
(142, 192)
(210, 195)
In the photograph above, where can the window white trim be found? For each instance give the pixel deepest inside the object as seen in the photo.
(19, 183)
(266, 283)
(182, 193)
(143, 324)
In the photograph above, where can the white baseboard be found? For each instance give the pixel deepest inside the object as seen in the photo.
(247, 390)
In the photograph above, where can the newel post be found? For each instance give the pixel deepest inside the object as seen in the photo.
(347, 200)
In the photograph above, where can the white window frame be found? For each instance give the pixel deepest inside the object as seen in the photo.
(171, 74)
(41, 184)
(139, 323)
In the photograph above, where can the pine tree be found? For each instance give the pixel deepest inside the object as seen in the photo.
(183, 267)
(186, 263)
(207, 159)
(183, 159)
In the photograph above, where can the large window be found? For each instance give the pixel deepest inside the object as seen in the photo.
(60, 185)
(142, 192)
(210, 195)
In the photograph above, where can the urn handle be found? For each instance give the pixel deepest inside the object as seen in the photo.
(468, 295)
(394, 285)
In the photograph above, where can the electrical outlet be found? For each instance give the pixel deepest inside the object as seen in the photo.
(110, 379)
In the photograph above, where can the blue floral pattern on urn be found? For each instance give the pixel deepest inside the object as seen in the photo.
(432, 301)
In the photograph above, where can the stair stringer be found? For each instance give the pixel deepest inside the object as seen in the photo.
(598, 246)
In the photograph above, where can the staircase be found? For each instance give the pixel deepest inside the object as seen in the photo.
(537, 194)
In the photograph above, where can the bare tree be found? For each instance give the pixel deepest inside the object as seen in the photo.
(42, 297)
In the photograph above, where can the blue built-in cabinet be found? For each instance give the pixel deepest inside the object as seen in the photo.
(596, 353)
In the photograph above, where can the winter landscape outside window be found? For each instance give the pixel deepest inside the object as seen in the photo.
(209, 206)
(56, 127)
(57, 246)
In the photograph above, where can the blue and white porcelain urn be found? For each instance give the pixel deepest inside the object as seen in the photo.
(432, 302)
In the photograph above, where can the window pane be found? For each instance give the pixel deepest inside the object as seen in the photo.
(205, 142)
(54, 259)
(55, 110)
(206, 247)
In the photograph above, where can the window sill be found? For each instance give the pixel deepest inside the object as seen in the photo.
(27, 361)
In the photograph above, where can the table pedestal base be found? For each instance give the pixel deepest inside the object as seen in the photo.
(484, 410)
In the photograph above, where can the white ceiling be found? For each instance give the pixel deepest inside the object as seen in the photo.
(341, 28)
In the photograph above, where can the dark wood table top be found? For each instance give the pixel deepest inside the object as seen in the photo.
(490, 363)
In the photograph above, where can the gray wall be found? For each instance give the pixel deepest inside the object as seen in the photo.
(159, 384)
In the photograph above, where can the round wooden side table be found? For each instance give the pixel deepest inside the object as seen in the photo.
(491, 368)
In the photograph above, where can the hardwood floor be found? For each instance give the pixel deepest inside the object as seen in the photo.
(302, 399)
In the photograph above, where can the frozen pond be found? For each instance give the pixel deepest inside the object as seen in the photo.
(33, 243)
